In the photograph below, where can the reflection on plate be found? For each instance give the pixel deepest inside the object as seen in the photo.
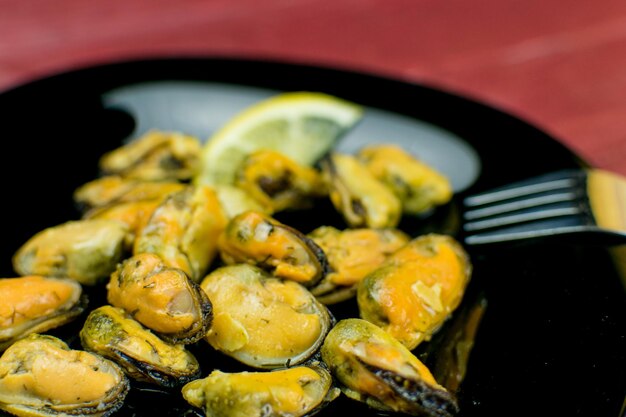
(552, 339)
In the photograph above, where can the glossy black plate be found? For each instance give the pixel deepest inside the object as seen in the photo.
(552, 339)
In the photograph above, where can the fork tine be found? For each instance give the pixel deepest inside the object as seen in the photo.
(564, 179)
(519, 205)
(520, 218)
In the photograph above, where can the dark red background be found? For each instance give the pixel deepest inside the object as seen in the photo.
(560, 64)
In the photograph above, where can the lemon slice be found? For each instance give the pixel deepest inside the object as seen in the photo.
(301, 125)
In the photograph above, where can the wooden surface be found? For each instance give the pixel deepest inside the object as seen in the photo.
(560, 64)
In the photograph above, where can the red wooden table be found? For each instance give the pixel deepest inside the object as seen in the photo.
(561, 64)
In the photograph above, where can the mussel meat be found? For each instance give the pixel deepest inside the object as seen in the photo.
(84, 250)
(111, 332)
(418, 186)
(34, 304)
(263, 321)
(155, 156)
(352, 254)
(416, 289)
(373, 367)
(295, 392)
(258, 239)
(40, 376)
(362, 199)
(184, 230)
(161, 298)
(278, 182)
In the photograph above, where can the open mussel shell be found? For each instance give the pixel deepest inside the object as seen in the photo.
(40, 376)
(416, 290)
(258, 239)
(373, 367)
(34, 304)
(162, 298)
(114, 334)
(84, 250)
(299, 391)
(263, 321)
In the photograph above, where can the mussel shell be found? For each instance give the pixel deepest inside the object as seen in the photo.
(84, 250)
(40, 376)
(299, 391)
(162, 298)
(114, 334)
(263, 321)
(258, 239)
(34, 304)
(372, 367)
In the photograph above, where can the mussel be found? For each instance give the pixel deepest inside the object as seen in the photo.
(362, 199)
(111, 332)
(352, 254)
(184, 230)
(295, 392)
(84, 250)
(34, 304)
(155, 156)
(416, 289)
(40, 376)
(263, 321)
(114, 189)
(373, 367)
(418, 186)
(258, 239)
(278, 182)
(162, 298)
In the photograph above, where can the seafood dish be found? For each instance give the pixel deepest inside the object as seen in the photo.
(214, 294)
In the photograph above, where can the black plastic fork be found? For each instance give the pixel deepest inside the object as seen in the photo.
(585, 203)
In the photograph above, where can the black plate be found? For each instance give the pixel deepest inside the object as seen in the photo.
(552, 340)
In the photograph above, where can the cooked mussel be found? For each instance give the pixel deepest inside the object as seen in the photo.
(373, 367)
(419, 186)
(40, 376)
(111, 332)
(84, 250)
(416, 289)
(295, 392)
(279, 182)
(184, 230)
(161, 298)
(352, 254)
(114, 189)
(258, 239)
(134, 214)
(155, 156)
(263, 321)
(362, 199)
(34, 304)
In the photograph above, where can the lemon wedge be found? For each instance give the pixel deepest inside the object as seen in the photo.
(301, 125)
